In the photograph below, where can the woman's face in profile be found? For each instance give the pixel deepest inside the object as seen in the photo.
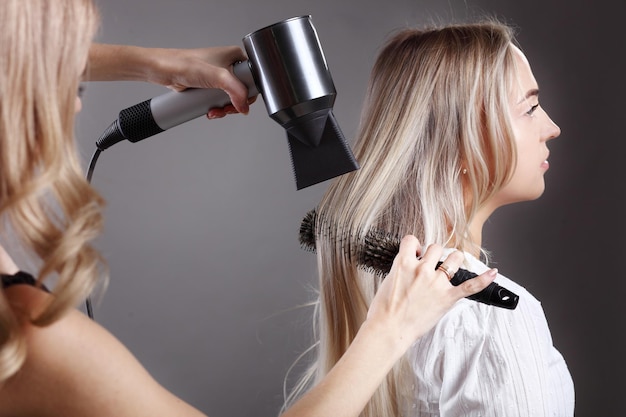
(532, 128)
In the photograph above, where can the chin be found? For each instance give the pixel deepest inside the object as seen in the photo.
(536, 195)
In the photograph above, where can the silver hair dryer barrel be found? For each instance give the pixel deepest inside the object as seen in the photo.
(290, 70)
(287, 67)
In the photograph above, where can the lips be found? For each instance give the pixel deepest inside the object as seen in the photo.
(545, 164)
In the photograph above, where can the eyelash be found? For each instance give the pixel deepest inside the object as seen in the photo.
(532, 109)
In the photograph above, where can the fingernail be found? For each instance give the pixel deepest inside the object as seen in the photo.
(493, 272)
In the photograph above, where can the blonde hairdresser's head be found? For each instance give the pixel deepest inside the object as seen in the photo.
(435, 144)
(45, 201)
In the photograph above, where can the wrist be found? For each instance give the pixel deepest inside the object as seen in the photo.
(389, 343)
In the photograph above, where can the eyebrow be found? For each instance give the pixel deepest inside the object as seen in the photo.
(529, 94)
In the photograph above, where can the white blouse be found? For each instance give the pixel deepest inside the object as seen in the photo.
(485, 361)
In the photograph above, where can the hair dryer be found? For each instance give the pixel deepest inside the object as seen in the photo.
(287, 67)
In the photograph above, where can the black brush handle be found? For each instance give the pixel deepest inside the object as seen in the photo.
(493, 294)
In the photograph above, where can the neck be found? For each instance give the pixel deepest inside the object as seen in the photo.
(476, 226)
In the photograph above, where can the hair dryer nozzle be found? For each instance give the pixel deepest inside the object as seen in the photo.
(319, 150)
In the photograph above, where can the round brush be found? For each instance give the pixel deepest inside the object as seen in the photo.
(378, 250)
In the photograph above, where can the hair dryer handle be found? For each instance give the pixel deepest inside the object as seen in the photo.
(174, 108)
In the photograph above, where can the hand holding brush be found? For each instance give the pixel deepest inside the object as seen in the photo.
(379, 250)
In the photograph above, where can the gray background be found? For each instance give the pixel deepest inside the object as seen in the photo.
(208, 280)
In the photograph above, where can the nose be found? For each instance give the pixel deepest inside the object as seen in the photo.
(551, 130)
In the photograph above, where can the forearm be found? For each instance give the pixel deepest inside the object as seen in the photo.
(177, 69)
(347, 388)
(119, 63)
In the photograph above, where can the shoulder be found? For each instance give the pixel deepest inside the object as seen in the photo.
(74, 367)
(60, 360)
(473, 323)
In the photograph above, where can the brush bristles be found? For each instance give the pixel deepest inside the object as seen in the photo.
(375, 254)
(378, 252)
(307, 231)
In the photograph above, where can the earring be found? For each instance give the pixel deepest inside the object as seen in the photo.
(464, 171)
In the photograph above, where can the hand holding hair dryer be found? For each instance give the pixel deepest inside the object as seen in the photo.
(287, 67)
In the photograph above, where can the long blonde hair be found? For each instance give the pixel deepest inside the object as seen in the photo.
(44, 197)
(434, 144)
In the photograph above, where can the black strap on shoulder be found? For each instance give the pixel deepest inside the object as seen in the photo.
(19, 277)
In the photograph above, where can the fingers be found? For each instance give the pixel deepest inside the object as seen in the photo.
(234, 54)
(219, 112)
(432, 255)
(476, 284)
(212, 68)
(235, 89)
(450, 265)
(407, 258)
(409, 247)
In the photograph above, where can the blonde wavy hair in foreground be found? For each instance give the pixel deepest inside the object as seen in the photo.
(434, 144)
(44, 197)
